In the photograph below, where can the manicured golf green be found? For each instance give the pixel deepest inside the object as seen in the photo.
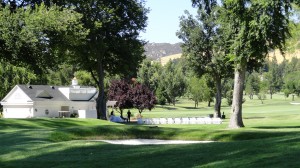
(271, 138)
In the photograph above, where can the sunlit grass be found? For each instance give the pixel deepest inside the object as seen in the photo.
(271, 138)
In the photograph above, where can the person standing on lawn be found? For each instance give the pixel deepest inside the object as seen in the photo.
(128, 115)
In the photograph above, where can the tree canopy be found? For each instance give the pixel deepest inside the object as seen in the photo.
(128, 95)
(112, 45)
(38, 37)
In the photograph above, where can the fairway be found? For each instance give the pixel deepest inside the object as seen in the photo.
(271, 138)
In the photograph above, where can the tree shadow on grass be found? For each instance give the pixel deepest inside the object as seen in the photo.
(169, 108)
(277, 127)
(192, 108)
(255, 153)
(35, 123)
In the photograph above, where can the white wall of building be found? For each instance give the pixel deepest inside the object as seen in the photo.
(87, 113)
(53, 108)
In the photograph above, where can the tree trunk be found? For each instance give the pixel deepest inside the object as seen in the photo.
(208, 103)
(101, 105)
(217, 113)
(174, 101)
(236, 120)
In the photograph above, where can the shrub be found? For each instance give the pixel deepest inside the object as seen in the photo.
(74, 115)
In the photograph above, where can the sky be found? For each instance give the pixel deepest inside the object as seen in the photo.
(163, 20)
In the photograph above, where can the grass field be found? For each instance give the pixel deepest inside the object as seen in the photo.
(271, 138)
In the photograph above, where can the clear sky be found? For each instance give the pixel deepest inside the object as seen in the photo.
(163, 20)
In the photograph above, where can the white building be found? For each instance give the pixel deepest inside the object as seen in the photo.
(28, 101)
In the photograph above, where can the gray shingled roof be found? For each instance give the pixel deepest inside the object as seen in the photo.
(47, 93)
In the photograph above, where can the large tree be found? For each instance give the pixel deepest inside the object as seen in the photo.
(148, 74)
(273, 78)
(199, 89)
(255, 27)
(204, 45)
(252, 84)
(112, 45)
(119, 90)
(172, 82)
(142, 97)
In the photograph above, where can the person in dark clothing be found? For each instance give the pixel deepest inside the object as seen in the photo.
(128, 115)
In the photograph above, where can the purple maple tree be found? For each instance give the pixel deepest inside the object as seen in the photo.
(142, 97)
(119, 91)
(131, 96)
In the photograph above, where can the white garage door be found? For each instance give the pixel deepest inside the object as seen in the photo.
(17, 113)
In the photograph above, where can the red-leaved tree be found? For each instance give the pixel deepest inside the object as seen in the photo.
(131, 96)
(119, 91)
(142, 97)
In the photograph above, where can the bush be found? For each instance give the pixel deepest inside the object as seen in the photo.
(160, 99)
(74, 115)
(1, 115)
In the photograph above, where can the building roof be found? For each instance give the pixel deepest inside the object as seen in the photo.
(44, 92)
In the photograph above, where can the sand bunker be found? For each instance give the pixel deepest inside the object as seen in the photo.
(151, 142)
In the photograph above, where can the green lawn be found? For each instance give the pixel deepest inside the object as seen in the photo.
(271, 138)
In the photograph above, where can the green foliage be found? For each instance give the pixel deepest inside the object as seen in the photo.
(149, 74)
(204, 44)
(252, 84)
(84, 78)
(293, 65)
(274, 77)
(11, 75)
(61, 77)
(161, 100)
(255, 27)
(199, 89)
(292, 83)
(172, 82)
(39, 37)
(74, 115)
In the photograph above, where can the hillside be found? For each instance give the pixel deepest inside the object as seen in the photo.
(164, 52)
(288, 56)
(164, 60)
(155, 51)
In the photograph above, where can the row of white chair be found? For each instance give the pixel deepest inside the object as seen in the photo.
(187, 120)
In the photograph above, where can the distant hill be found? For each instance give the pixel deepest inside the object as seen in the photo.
(155, 51)
(166, 59)
(288, 56)
(163, 52)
